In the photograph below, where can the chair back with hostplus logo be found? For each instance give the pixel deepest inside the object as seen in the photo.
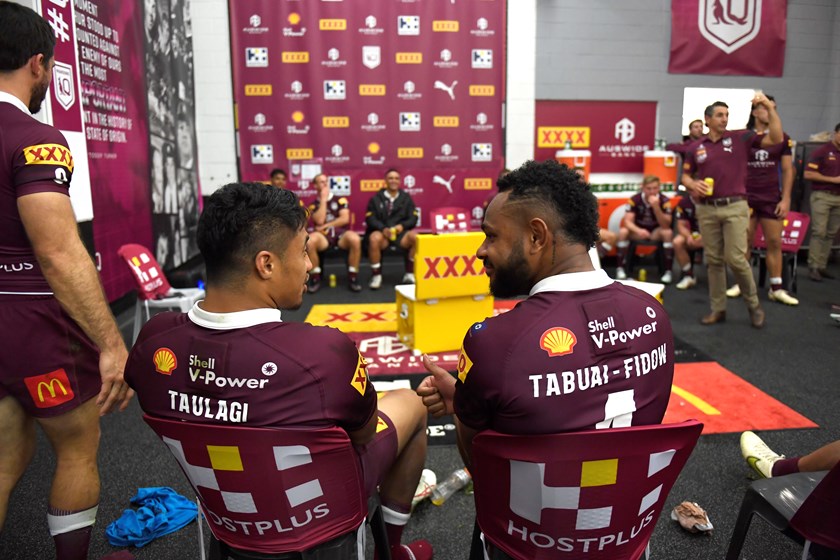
(151, 283)
(270, 490)
(794, 228)
(595, 495)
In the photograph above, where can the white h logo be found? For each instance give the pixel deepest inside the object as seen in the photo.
(625, 130)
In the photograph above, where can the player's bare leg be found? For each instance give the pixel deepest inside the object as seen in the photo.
(352, 243)
(376, 244)
(17, 442)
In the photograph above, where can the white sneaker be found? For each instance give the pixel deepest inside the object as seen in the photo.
(734, 291)
(758, 455)
(375, 282)
(666, 278)
(782, 297)
(408, 278)
(620, 274)
(686, 283)
(428, 480)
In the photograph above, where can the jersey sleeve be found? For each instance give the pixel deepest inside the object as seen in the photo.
(815, 160)
(349, 397)
(43, 163)
(477, 390)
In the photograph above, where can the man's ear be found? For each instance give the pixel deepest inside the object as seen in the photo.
(539, 235)
(266, 264)
(37, 65)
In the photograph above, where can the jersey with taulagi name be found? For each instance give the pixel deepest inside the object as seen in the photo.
(643, 212)
(34, 158)
(564, 361)
(269, 374)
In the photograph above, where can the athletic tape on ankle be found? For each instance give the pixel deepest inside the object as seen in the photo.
(60, 524)
(392, 517)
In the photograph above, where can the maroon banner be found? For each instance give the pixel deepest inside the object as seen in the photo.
(728, 37)
(359, 87)
(617, 133)
(66, 111)
(110, 42)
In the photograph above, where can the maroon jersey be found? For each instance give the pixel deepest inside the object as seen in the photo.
(764, 171)
(643, 212)
(826, 161)
(334, 207)
(249, 368)
(34, 158)
(687, 211)
(725, 161)
(582, 352)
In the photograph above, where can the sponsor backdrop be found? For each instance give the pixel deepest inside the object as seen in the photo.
(617, 133)
(728, 37)
(360, 87)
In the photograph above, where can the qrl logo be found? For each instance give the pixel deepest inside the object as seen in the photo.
(727, 29)
(50, 389)
(451, 267)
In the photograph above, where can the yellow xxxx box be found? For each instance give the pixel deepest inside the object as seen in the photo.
(437, 325)
(446, 266)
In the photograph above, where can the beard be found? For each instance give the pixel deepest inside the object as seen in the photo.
(39, 93)
(512, 278)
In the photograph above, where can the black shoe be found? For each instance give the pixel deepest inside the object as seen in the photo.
(314, 284)
(355, 286)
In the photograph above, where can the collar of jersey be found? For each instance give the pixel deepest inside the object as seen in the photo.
(9, 98)
(235, 320)
(573, 282)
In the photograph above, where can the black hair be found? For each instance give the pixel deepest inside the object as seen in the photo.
(751, 120)
(242, 219)
(23, 34)
(391, 170)
(710, 110)
(278, 171)
(570, 208)
(837, 128)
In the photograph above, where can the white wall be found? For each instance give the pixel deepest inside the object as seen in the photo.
(606, 49)
(521, 76)
(213, 95)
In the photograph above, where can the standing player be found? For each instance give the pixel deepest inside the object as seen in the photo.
(253, 240)
(331, 218)
(648, 218)
(769, 184)
(557, 361)
(63, 356)
(390, 218)
(823, 170)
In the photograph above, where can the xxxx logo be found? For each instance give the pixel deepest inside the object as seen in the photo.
(451, 268)
(556, 136)
(359, 317)
(48, 154)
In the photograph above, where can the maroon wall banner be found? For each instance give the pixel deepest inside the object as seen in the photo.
(110, 46)
(616, 132)
(359, 87)
(728, 37)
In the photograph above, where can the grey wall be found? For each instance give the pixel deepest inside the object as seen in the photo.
(618, 50)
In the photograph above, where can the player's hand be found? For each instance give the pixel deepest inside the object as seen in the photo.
(782, 208)
(438, 390)
(115, 391)
(387, 232)
(653, 200)
(760, 99)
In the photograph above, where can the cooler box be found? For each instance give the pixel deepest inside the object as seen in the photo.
(580, 160)
(437, 325)
(665, 165)
(446, 266)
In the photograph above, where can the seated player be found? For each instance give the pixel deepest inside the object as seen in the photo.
(648, 218)
(688, 238)
(330, 218)
(391, 217)
(278, 178)
(253, 240)
(607, 239)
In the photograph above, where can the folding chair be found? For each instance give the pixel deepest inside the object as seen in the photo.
(153, 290)
(803, 506)
(795, 226)
(632, 257)
(274, 493)
(450, 219)
(594, 494)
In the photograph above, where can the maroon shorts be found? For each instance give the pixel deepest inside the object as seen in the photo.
(378, 455)
(763, 210)
(49, 365)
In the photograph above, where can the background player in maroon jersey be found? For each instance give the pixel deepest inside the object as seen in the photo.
(823, 170)
(562, 359)
(61, 345)
(331, 219)
(234, 361)
(648, 218)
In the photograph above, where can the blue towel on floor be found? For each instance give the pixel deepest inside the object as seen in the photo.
(160, 511)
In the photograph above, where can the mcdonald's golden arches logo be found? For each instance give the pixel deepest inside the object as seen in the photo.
(50, 389)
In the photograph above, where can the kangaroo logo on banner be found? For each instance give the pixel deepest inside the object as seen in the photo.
(729, 25)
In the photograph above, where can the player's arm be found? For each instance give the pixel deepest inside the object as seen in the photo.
(341, 220)
(51, 226)
(319, 215)
(683, 229)
(812, 173)
(630, 222)
(410, 218)
(775, 134)
(662, 213)
(371, 217)
(787, 186)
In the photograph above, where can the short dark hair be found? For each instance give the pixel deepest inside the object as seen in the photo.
(391, 170)
(242, 219)
(837, 128)
(278, 171)
(751, 120)
(548, 185)
(23, 34)
(694, 121)
(710, 110)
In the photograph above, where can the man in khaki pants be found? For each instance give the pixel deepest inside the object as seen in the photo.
(823, 170)
(715, 172)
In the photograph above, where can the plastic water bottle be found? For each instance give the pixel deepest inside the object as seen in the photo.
(642, 275)
(452, 484)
